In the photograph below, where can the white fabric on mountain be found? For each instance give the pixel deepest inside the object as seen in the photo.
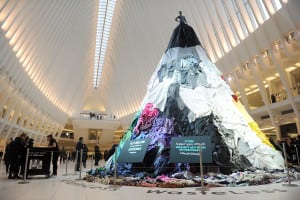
(158, 94)
(197, 100)
(212, 95)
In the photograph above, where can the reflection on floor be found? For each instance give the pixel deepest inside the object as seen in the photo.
(69, 188)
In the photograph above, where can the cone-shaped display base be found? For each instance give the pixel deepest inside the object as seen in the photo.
(187, 96)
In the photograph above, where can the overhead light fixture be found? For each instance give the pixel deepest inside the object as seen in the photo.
(105, 14)
(267, 128)
(289, 69)
(270, 78)
(253, 91)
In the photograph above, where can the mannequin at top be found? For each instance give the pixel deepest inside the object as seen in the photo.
(180, 18)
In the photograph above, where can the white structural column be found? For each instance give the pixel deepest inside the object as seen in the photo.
(284, 80)
(205, 35)
(244, 14)
(225, 22)
(209, 29)
(216, 26)
(241, 90)
(235, 20)
(258, 14)
(11, 103)
(262, 91)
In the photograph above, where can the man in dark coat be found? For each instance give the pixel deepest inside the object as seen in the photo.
(97, 154)
(79, 146)
(8, 156)
(53, 143)
(84, 155)
(18, 156)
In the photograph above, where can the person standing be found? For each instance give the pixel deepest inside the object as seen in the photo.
(63, 155)
(17, 156)
(97, 154)
(79, 146)
(105, 155)
(84, 155)
(7, 155)
(273, 98)
(1, 155)
(53, 144)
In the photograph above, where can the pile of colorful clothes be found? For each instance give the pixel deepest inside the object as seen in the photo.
(187, 179)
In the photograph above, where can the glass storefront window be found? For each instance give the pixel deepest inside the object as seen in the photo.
(294, 75)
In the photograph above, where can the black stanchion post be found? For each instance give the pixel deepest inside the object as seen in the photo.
(76, 162)
(80, 166)
(116, 162)
(92, 161)
(287, 168)
(202, 188)
(201, 166)
(51, 161)
(297, 154)
(66, 174)
(25, 169)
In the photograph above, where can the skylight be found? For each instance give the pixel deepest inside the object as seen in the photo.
(105, 14)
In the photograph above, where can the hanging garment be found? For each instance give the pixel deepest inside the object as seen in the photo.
(146, 118)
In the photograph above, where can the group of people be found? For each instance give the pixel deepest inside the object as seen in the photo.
(99, 116)
(82, 148)
(15, 155)
(292, 147)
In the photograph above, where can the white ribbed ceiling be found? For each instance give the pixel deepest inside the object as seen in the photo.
(141, 30)
(54, 42)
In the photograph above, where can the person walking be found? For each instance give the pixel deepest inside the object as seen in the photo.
(53, 144)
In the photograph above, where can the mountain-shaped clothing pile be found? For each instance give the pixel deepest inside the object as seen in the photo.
(187, 96)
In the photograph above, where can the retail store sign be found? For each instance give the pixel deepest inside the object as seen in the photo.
(134, 151)
(187, 149)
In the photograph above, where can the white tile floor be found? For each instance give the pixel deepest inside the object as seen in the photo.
(67, 188)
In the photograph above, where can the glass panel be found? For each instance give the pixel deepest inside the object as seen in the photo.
(276, 4)
(275, 88)
(237, 40)
(251, 15)
(226, 38)
(293, 73)
(263, 9)
(239, 16)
